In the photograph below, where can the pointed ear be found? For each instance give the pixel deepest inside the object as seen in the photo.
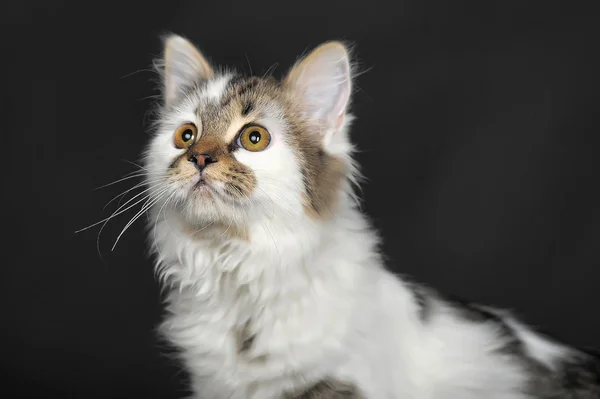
(322, 82)
(184, 66)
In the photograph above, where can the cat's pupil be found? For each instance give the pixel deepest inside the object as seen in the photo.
(254, 137)
(187, 135)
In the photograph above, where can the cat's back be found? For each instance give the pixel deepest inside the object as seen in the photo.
(469, 351)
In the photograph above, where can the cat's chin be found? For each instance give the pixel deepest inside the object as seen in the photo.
(209, 192)
(202, 186)
(201, 191)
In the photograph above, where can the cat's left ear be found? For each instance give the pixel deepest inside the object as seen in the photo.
(322, 82)
(184, 66)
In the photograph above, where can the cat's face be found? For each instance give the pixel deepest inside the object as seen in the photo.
(234, 149)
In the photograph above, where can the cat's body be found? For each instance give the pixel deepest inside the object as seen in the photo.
(275, 286)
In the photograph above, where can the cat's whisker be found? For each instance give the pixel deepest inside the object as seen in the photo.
(163, 207)
(227, 229)
(150, 97)
(124, 194)
(138, 174)
(249, 66)
(271, 69)
(158, 251)
(167, 219)
(136, 72)
(271, 201)
(151, 186)
(282, 198)
(110, 217)
(267, 229)
(120, 210)
(203, 228)
(298, 223)
(140, 213)
(135, 164)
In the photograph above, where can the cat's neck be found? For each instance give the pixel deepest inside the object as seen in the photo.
(278, 247)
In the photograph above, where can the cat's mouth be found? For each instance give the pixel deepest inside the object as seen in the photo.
(210, 189)
(201, 182)
(202, 185)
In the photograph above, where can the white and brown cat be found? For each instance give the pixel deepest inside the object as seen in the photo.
(275, 286)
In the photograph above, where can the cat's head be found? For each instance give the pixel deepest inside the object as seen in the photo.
(234, 149)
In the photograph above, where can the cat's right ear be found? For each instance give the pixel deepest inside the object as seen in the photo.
(184, 65)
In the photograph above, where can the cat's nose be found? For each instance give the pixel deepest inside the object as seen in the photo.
(201, 160)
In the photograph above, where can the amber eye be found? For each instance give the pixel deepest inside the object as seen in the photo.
(185, 135)
(254, 138)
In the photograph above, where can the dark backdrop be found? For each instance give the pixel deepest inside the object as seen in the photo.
(477, 127)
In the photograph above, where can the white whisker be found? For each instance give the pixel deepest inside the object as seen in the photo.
(119, 210)
(199, 230)
(145, 207)
(135, 164)
(126, 177)
(271, 69)
(124, 193)
(227, 229)
(163, 207)
(110, 217)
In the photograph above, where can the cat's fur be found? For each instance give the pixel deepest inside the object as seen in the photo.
(274, 284)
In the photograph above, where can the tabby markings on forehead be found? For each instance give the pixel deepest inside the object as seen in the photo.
(248, 106)
(225, 116)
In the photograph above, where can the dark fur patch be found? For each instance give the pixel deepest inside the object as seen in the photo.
(575, 377)
(247, 108)
(579, 377)
(246, 344)
(423, 304)
(248, 85)
(245, 339)
(238, 88)
(479, 314)
(322, 173)
(329, 389)
(424, 300)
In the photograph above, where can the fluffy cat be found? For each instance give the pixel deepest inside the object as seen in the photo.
(274, 284)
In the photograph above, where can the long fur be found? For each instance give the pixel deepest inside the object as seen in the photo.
(275, 296)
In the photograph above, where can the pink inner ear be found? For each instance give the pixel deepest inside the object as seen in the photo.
(322, 80)
(339, 121)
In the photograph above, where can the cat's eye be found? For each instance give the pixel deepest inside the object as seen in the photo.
(254, 138)
(185, 135)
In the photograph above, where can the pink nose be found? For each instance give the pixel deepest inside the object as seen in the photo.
(201, 160)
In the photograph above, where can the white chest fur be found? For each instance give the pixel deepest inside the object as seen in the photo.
(256, 318)
(253, 318)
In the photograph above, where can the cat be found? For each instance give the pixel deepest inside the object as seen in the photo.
(274, 283)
